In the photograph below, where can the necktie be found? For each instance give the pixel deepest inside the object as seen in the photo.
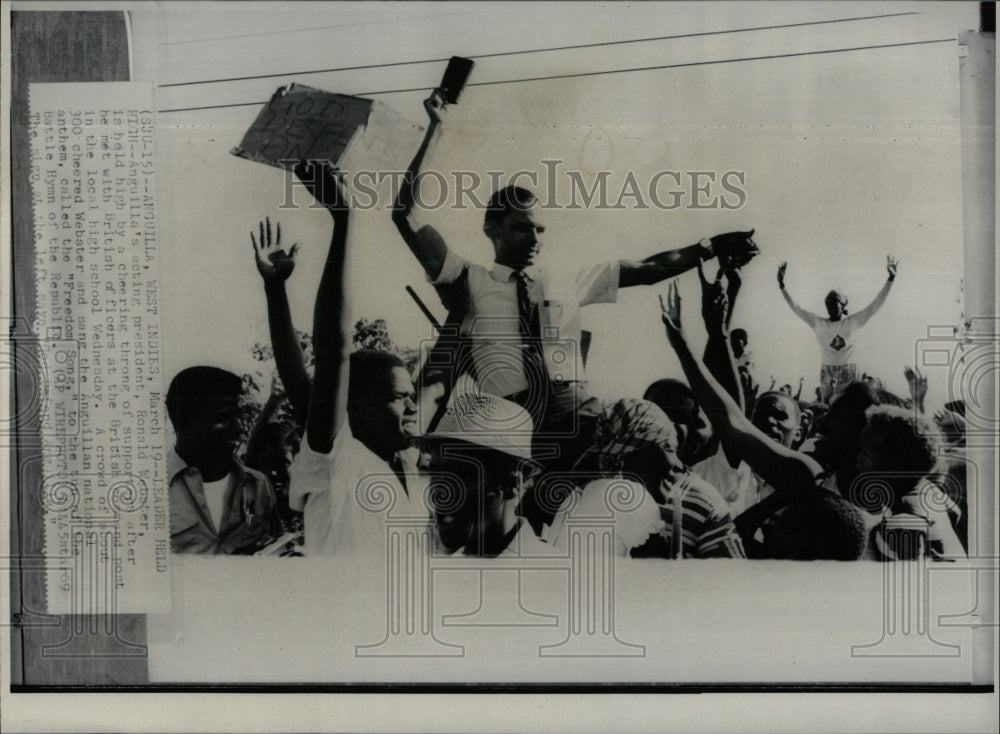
(532, 358)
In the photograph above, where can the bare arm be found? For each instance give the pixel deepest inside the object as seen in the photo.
(718, 355)
(807, 316)
(782, 468)
(733, 249)
(424, 242)
(734, 281)
(275, 266)
(331, 317)
(872, 308)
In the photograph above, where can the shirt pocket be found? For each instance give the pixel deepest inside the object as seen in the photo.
(192, 538)
(552, 316)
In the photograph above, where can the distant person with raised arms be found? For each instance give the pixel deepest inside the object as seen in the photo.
(836, 334)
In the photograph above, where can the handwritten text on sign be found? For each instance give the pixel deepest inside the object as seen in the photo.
(302, 123)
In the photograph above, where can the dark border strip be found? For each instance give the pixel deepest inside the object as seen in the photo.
(553, 688)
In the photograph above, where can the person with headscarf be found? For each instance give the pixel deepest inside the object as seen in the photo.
(659, 508)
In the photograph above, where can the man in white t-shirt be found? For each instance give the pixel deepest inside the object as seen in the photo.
(836, 335)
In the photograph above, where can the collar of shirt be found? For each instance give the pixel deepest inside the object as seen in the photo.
(176, 464)
(503, 274)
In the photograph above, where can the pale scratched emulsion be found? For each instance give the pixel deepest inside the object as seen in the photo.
(104, 489)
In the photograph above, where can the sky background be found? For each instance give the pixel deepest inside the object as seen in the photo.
(848, 157)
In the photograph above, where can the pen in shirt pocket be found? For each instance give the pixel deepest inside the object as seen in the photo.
(553, 312)
(248, 509)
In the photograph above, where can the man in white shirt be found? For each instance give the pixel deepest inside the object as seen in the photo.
(836, 335)
(340, 492)
(523, 323)
(350, 473)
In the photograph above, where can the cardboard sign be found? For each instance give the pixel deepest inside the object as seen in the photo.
(303, 123)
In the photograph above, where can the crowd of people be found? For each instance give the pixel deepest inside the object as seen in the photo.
(496, 442)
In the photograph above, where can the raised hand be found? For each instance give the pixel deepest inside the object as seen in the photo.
(891, 265)
(273, 263)
(734, 249)
(951, 424)
(918, 385)
(714, 301)
(434, 105)
(324, 183)
(781, 274)
(670, 308)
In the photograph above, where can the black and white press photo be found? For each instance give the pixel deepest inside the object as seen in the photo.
(523, 349)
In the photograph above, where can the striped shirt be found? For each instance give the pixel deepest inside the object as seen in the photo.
(703, 522)
(702, 529)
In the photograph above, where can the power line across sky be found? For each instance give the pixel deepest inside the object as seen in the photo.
(602, 72)
(577, 46)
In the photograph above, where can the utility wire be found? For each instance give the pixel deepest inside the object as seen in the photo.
(540, 50)
(577, 75)
(307, 30)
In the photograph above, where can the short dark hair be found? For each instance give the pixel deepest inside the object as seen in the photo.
(369, 375)
(675, 399)
(739, 334)
(780, 394)
(909, 445)
(191, 387)
(833, 297)
(506, 200)
(820, 526)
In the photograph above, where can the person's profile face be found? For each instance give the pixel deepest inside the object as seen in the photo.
(777, 417)
(391, 419)
(517, 238)
(451, 493)
(697, 440)
(739, 344)
(465, 490)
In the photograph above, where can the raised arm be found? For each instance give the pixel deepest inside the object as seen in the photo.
(807, 316)
(424, 242)
(331, 317)
(274, 266)
(718, 353)
(733, 249)
(734, 281)
(872, 308)
(782, 468)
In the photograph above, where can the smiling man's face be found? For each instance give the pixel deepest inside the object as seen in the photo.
(517, 238)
